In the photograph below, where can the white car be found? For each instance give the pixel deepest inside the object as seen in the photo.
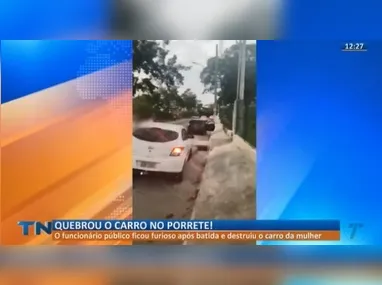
(161, 147)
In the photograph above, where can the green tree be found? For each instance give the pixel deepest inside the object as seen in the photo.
(157, 76)
(170, 101)
(154, 68)
(199, 107)
(227, 70)
(143, 107)
(189, 100)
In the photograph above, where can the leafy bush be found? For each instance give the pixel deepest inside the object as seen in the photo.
(249, 124)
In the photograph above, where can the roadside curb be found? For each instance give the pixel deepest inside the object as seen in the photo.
(217, 138)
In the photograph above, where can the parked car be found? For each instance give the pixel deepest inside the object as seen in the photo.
(210, 125)
(161, 147)
(200, 127)
(197, 127)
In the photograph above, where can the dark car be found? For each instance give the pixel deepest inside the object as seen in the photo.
(200, 127)
(210, 125)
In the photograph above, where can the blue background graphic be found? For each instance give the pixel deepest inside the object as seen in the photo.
(331, 19)
(43, 19)
(32, 65)
(319, 114)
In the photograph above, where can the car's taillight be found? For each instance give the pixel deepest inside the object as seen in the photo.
(176, 151)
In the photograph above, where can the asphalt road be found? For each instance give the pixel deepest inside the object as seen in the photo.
(156, 196)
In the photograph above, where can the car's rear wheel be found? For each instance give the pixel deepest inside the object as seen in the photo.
(178, 177)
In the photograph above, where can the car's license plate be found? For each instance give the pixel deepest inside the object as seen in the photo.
(146, 164)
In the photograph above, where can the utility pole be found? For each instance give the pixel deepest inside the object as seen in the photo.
(243, 52)
(216, 80)
(234, 111)
(238, 121)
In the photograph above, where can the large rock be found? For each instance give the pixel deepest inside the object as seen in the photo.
(228, 188)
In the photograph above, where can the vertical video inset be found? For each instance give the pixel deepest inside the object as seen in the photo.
(194, 130)
(66, 123)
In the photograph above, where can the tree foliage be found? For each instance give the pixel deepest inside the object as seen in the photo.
(189, 100)
(143, 107)
(153, 68)
(227, 71)
(157, 78)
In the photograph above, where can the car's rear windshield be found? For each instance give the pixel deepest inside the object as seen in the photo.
(155, 135)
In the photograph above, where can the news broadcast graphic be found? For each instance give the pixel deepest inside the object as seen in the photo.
(66, 133)
(182, 230)
(318, 137)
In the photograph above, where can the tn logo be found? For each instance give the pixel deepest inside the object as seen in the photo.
(354, 229)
